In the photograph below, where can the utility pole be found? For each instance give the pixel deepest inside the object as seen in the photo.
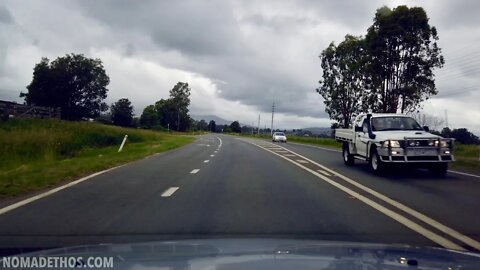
(446, 118)
(273, 112)
(258, 127)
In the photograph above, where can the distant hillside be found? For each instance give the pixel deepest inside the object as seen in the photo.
(218, 120)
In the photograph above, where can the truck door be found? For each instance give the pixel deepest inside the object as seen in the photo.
(362, 139)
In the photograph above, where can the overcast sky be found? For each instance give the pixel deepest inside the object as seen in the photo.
(238, 56)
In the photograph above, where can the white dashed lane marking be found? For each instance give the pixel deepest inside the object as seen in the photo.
(206, 161)
(169, 192)
(195, 171)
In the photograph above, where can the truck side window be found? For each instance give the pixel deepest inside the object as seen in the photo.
(365, 126)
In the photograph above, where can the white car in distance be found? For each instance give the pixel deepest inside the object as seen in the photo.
(279, 137)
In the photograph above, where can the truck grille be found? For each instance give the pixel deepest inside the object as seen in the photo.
(421, 143)
(422, 158)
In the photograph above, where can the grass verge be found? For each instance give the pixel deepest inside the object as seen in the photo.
(38, 154)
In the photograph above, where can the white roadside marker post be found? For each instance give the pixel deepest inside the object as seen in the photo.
(123, 143)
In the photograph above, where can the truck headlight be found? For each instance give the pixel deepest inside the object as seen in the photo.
(394, 144)
(444, 144)
(391, 143)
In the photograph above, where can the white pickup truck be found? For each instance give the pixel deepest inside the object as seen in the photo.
(383, 139)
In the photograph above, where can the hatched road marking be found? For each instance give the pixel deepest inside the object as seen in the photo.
(390, 213)
(324, 172)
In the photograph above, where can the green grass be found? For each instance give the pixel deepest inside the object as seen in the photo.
(37, 154)
(467, 157)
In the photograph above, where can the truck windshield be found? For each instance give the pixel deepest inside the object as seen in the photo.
(394, 123)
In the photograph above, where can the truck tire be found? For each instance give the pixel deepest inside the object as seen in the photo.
(377, 166)
(439, 170)
(348, 159)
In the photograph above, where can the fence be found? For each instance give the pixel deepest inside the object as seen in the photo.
(20, 110)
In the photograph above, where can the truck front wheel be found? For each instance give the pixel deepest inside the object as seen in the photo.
(376, 164)
(347, 157)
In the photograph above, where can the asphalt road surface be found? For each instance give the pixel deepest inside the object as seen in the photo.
(225, 186)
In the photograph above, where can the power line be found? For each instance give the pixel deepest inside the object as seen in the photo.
(466, 58)
(273, 112)
(258, 128)
(458, 75)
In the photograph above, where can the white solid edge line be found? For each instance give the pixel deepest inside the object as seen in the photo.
(451, 232)
(220, 145)
(195, 171)
(52, 191)
(169, 191)
(467, 174)
(401, 219)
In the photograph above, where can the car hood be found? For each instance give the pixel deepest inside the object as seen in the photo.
(401, 134)
(269, 254)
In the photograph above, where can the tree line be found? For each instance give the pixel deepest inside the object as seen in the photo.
(78, 86)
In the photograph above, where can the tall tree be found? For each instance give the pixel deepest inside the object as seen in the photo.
(343, 84)
(212, 127)
(235, 127)
(202, 125)
(432, 121)
(464, 136)
(402, 54)
(180, 97)
(166, 113)
(75, 83)
(149, 117)
(122, 112)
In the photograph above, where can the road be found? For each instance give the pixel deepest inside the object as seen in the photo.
(226, 186)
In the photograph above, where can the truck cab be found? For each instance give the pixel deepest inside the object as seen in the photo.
(383, 139)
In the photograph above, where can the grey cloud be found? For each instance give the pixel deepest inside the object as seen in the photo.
(211, 38)
(129, 50)
(208, 35)
(191, 27)
(5, 16)
(454, 14)
(279, 24)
